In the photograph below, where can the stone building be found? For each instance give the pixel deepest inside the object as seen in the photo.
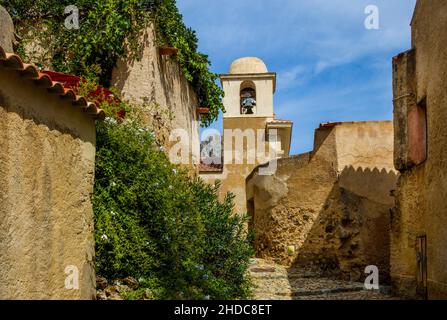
(249, 124)
(47, 163)
(329, 210)
(418, 238)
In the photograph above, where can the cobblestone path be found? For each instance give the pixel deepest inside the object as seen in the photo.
(275, 282)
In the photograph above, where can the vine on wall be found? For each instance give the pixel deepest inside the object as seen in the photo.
(105, 28)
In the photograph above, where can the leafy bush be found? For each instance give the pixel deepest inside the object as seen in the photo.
(101, 40)
(156, 224)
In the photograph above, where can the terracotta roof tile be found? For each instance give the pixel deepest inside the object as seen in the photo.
(30, 71)
(100, 94)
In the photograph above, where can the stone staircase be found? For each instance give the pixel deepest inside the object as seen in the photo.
(276, 282)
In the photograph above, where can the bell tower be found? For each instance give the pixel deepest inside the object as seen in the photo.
(249, 90)
(249, 125)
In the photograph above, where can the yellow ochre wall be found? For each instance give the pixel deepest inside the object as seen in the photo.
(47, 164)
(422, 189)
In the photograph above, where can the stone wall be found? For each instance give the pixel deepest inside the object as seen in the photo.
(153, 81)
(242, 153)
(158, 82)
(46, 176)
(329, 210)
(420, 115)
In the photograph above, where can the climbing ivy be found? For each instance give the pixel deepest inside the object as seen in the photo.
(195, 65)
(109, 30)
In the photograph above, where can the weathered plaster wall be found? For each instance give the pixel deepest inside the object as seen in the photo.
(159, 82)
(234, 174)
(422, 189)
(332, 205)
(365, 145)
(46, 181)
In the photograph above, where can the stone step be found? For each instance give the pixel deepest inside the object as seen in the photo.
(297, 293)
(355, 295)
(276, 282)
(261, 276)
(304, 292)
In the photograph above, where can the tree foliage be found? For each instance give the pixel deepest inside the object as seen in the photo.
(155, 223)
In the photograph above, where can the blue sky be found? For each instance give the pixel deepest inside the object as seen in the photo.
(329, 66)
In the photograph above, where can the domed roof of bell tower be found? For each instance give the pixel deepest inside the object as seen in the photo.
(248, 65)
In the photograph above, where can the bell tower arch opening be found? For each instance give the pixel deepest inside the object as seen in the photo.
(248, 97)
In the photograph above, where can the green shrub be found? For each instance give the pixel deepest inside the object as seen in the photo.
(154, 223)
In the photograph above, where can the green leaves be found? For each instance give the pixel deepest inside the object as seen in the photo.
(195, 65)
(154, 222)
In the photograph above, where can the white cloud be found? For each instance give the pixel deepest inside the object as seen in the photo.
(293, 76)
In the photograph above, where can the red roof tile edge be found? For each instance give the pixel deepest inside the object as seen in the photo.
(31, 72)
(334, 124)
(329, 124)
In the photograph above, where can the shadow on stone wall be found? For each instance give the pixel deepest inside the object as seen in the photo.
(352, 228)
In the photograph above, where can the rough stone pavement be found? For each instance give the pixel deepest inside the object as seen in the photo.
(276, 282)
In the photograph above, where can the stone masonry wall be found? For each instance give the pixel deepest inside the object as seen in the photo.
(158, 82)
(329, 210)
